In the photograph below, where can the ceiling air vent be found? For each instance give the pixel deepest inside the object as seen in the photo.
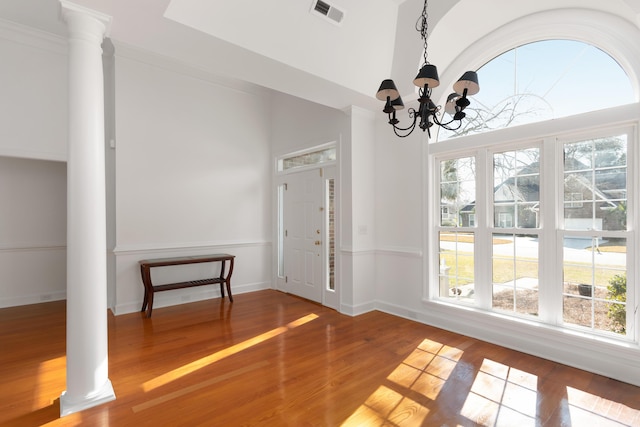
(327, 11)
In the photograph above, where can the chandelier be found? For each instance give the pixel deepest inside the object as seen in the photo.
(426, 80)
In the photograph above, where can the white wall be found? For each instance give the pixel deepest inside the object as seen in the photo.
(298, 124)
(400, 196)
(32, 231)
(33, 95)
(358, 250)
(192, 176)
(32, 169)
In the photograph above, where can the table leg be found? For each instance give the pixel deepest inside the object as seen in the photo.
(150, 304)
(147, 302)
(228, 279)
(222, 268)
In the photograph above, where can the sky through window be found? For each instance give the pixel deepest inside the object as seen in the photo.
(542, 81)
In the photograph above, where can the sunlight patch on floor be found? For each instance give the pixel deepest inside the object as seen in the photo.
(502, 395)
(212, 358)
(386, 405)
(589, 409)
(50, 371)
(423, 374)
(195, 387)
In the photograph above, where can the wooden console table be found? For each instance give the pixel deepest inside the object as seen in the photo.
(150, 288)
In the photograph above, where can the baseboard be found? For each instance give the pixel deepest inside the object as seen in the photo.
(33, 299)
(358, 309)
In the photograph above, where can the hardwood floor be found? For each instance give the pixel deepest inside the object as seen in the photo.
(270, 359)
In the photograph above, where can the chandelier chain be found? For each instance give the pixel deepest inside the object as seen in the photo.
(422, 25)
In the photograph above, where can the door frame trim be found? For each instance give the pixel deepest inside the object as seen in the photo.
(331, 299)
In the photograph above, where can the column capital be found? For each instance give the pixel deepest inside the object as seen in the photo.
(70, 12)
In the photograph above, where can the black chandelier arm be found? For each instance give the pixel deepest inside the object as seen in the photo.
(427, 118)
(413, 114)
(395, 130)
(446, 125)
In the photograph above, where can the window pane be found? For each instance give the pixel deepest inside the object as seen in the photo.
(578, 156)
(456, 265)
(594, 284)
(516, 191)
(611, 182)
(528, 215)
(503, 167)
(313, 158)
(578, 186)
(515, 273)
(542, 81)
(504, 215)
(331, 228)
(280, 230)
(457, 192)
(595, 184)
(614, 216)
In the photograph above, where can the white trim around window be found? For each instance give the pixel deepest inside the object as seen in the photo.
(549, 137)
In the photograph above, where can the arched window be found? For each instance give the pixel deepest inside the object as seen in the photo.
(541, 81)
(531, 222)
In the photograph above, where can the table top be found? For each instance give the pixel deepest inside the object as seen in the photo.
(186, 260)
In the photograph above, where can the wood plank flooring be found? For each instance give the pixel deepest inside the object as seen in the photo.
(270, 359)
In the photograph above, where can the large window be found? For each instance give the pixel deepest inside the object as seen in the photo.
(537, 222)
(576, 211)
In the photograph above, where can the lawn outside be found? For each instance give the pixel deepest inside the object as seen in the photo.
(577, 309)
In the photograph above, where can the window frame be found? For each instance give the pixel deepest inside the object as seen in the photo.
(630, 234)
(552, 137)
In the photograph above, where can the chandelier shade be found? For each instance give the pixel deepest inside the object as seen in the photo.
(387, 90)
(468, 81)
(450, 106)
(428, 113)
(428, 75)
(397, 104)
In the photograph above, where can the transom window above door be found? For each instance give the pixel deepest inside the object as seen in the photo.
(316, 157)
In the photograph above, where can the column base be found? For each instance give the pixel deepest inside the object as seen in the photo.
(104, 395)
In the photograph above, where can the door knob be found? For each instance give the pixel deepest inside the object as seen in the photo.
(318, 243)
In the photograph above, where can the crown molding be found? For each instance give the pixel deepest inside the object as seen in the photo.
(135, 53)
(32, 37)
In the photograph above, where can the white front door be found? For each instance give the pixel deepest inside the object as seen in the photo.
(304, 231)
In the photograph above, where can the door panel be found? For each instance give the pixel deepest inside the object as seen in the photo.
(303, 213)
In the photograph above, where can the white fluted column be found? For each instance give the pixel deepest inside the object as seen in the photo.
(88, 384)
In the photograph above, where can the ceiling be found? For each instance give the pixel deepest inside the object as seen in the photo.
(278, 45)
(282, 45)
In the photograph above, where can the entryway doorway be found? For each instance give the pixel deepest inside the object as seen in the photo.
(307, 223)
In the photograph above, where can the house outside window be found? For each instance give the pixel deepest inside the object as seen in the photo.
(472, 220)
